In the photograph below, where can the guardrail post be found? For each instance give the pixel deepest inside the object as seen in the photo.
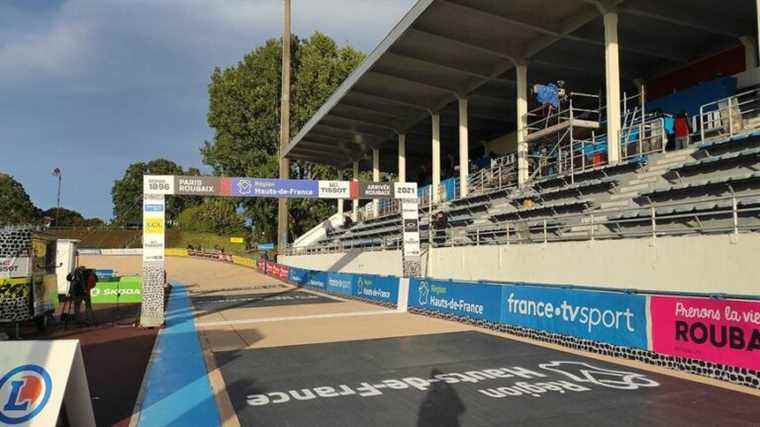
(508, 228)
(477, 237)
(653, 214)
(593, 227)
(735, 211)
(546, 233)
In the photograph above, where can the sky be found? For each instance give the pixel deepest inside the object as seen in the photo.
(90, 86)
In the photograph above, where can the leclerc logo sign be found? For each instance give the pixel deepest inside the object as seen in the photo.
(24, 392)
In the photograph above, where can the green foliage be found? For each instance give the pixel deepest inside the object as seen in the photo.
(126, 192)
(244, 111)
(68, 218)
(16, 208)
(213, 216)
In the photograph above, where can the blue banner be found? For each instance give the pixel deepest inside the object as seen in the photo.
(610, 317)
(476, 300)
(297, 276)
(265, 246)
(376, 288)
(340, 283)
(262, 187)
(317, 279)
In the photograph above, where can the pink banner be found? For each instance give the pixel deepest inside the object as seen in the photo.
(720, 331)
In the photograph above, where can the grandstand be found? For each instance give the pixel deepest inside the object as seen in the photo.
(444, 84)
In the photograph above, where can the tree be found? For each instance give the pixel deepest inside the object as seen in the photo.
(218, 216)
(244, 113)
(127, 192)
(63, 217)
(17, 207)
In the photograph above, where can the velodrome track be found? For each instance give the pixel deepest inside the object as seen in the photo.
(282, 356)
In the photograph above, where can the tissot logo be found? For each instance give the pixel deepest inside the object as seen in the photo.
(24, 392)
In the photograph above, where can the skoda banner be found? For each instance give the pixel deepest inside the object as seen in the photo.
(610, 317)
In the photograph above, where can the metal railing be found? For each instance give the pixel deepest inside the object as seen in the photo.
(502, 174)
(643, 138)
(729, 116)
(731, 216)
(581, 106)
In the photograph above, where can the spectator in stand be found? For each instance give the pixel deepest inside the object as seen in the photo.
(329, 229)
(348, 222)
(682, 130)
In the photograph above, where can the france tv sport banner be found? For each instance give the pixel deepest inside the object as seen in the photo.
(376, 288)
(609, 317)
(477, 301)
(719, 331)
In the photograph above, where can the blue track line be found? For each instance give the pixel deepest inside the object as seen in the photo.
(177, 389)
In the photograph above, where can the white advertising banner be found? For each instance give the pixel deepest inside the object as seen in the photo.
(405, 190)
(411, 235)
(334, 189)
(15, 267)
(154, 207)
(36, 377)
(158, 184)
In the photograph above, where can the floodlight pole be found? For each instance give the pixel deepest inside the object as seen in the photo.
(282, 204)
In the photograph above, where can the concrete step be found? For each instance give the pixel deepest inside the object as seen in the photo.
(613, 204)
(633, 187)
(649, 179)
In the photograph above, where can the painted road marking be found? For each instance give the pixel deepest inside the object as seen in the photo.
(282, 319)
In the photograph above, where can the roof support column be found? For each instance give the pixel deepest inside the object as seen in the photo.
(612, 71)
(464, 148)
(750, 51)
(757, 39)
(340, 201)
(402, 157)
(523, 172)
(355, 207)
(376, 178)
(436, 179)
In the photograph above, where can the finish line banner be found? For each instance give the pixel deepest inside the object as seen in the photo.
(275, 188)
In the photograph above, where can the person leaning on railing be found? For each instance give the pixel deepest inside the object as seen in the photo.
(682, 130)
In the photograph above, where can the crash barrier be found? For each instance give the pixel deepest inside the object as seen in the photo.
(373, 288)
(673, 330)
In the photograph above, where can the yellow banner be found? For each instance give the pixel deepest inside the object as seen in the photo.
(237, 240)
(153, 225)
(175, 252)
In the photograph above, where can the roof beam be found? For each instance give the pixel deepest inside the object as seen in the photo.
(450, 68)
(565, 35)
(352, 131)
(413, 81)
(681, 21)
(367, 110)
(466, 45)
(383, 125)
(386, 99)
(568, 27)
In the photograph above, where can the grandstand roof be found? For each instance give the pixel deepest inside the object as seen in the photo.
(444, 49)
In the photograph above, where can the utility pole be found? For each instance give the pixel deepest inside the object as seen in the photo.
(57, 173)
(282, 204)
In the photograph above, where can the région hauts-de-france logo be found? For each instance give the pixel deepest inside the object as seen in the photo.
(24, 392)
(423, 290)
(244, 186)
(585, 373)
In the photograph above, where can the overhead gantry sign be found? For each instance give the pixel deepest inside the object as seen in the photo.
(157, 187)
